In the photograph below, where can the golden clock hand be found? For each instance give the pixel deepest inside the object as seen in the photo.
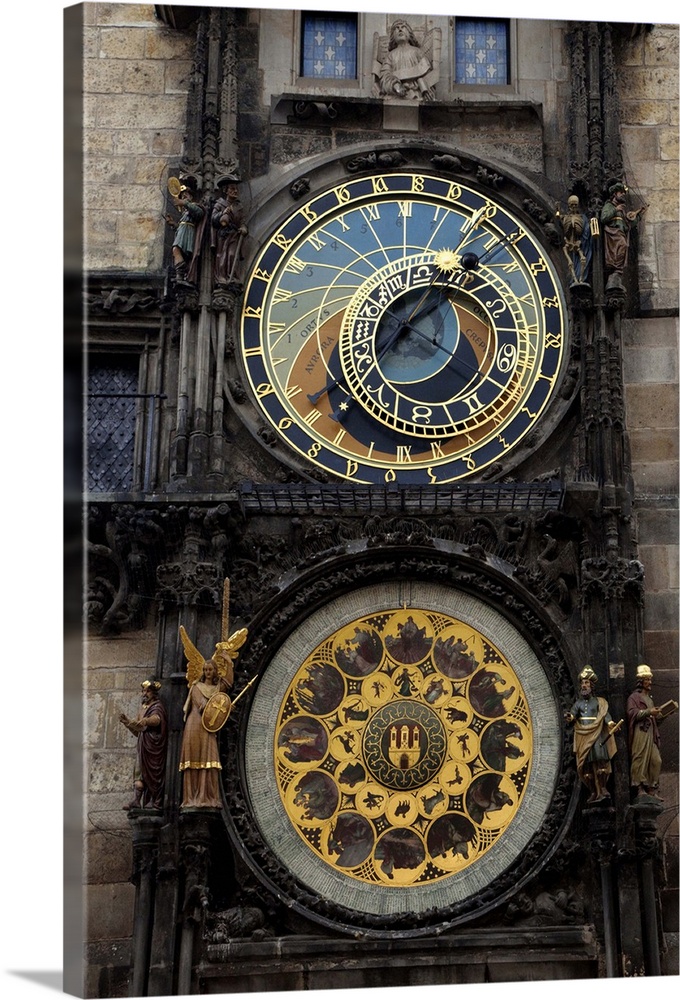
(392, 339)
(314, 397)
(489, 254)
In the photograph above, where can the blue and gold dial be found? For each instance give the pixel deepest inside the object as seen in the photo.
(403, 327)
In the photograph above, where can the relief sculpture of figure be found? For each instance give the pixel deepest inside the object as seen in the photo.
(578, 247)
(151, 729)
(206, 709)
(404, 66)
(594, 743)
(643, 734)
(228, 230)
(618, 224)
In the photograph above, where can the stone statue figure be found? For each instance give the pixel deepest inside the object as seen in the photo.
(228, 230)
(151, 729)
(187, 234)
(643, 734)
(206, 709)
(578, 246)
(406, 65)
(618, 223)
(594, 744)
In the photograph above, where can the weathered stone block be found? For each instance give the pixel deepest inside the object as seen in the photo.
(659, 81)
(121, 43)
(164, 43)
(661, 649)
(108, 858)
(109, 911)
(663, 206)
(631, 53)
(117, 258)
(654, 445)
(177, 75)
(95, 720)
(102, 197)
(112, 771)
(669, 268)
(652, 409)
(658, 526)
(131, 111)
(661, 567)
(166, 144)
(661, 46)
(138, 227)
(131, 143)
(656, 477)
(641, 143)
(97, 143)
(124, 13)
(645, 112)
(661, 611)
(91, 43)
(144, 78)
(661, 331)
(105, 812)
(650, 364)
(143, 198)
(121, 651)
(103, 76)
(109, 170)
(101, 226)
(668, 144)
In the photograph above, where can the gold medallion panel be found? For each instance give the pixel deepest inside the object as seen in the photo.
(403, 747)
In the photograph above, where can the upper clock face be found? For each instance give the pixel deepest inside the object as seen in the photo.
(403, 327)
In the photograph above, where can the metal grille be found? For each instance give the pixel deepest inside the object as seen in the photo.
(110, 424)
(292, 498)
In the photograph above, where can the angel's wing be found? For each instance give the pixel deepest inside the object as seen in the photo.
(195, 661)
(226, 652)
(235, 641)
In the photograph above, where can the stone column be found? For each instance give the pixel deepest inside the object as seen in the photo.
(146, 826)
(646, 811)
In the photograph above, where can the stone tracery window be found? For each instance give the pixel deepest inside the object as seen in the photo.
(329, 45)
(482, 51)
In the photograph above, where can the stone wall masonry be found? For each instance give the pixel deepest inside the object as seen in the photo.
(650, 359)
(649, 116)
(136, 73)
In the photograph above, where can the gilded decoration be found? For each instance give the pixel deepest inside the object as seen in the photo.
(403, 747)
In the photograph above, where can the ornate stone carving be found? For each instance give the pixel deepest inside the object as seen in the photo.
(385, 159)
(406, 64)
(611, 578)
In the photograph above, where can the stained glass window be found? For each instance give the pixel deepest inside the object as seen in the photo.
(329, 46)
(482, 52)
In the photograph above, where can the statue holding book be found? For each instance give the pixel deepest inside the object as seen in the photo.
(644, 741)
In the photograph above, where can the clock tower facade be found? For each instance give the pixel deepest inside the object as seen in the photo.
(383, 360)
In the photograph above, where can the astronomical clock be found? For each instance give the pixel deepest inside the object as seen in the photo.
(402, 751)
(403, 327)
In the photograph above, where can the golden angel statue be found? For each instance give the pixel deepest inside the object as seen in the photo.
(206, 710)
(406, 64)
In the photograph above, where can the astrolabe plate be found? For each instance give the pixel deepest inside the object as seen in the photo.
(413, 751)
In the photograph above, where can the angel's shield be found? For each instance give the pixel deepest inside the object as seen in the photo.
(216, 712)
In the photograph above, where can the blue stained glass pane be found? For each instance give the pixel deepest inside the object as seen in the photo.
(482, 52)
(329, 46)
